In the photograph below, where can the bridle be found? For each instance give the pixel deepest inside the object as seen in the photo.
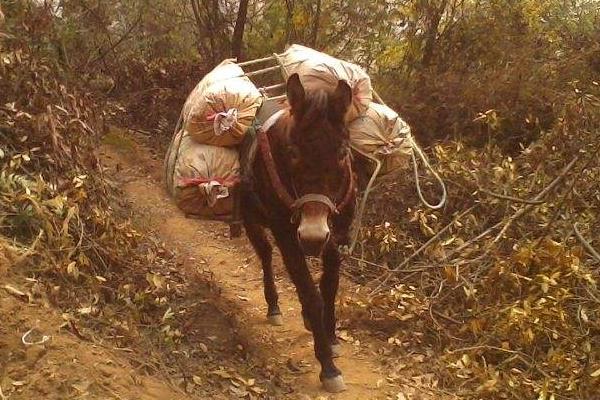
(346, 192)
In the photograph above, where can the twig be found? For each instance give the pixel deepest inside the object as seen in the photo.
(511, 198)
(520, 355)
(434, 238)
(2, 396)
(474, 240)
(30, 250)
(585, 243)
(538, 197)
(422, 248)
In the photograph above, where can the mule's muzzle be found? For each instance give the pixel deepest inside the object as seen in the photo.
(313, 230)
(313, 241)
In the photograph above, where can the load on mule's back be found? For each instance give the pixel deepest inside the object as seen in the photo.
(287, 168)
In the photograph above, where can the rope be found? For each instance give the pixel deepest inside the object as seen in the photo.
(26, 342)
(170, 169)
(417, 150)
(363, 201)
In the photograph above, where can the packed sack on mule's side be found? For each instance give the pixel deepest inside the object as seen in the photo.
(381, 133)
(318, 70)
(201, 177)
(221, 107)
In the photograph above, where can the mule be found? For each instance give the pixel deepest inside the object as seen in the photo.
(302, 188)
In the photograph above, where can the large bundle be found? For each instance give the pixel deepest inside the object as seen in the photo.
(380, 132)
(318, 70)
(200, 177)
(221, 107)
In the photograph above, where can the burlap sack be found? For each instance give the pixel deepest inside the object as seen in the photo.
(318, 70)
(221, 107)
(188, 160)
(380, 132)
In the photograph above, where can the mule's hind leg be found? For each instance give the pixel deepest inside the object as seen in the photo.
(258, 238)
(329, 286)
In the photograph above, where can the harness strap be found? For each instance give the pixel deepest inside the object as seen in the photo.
(271, 121)
(314, 198)
(346, 191)
(267, 156)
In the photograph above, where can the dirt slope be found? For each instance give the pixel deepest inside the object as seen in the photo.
(65, 367)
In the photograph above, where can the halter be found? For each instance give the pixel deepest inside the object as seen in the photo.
(295, 204)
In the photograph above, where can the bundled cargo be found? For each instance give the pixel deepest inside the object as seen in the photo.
(319, 70)
(381, 133)
(221, 107)
(201, 177)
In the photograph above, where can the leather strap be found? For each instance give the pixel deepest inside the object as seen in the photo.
(292, 204)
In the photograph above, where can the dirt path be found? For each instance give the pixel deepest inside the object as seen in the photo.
(287, 351)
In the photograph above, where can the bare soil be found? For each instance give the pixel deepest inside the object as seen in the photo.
(228, 351)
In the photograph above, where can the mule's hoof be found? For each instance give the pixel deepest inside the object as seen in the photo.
(307, 324)
(334, 385)
(336, 350)
(275, 319)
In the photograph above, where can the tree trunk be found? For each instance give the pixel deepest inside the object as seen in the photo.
(434, 17)
(315, 30)
(238, 32)
(289, 23)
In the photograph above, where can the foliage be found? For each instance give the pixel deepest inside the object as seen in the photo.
(61, 223)
(510, 290)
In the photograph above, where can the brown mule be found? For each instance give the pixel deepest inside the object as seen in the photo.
(302, 188)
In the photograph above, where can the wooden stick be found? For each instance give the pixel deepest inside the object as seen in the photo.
(277, 86)
(585, 243)
(422, 248)
(511, 198)
(257, 61)
(435, 237)
(263, 71)
(538, 197)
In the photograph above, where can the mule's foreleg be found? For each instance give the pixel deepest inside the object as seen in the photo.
(258, 238)
(312, 304)
(329, 286)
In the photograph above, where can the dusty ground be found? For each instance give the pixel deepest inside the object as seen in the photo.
(228, 350)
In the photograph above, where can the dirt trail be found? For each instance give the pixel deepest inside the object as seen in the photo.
(237, 271)
(286, 351)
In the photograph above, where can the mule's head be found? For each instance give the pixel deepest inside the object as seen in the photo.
(318, 153)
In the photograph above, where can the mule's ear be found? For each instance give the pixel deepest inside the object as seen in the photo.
(295, 93)
(341, 99)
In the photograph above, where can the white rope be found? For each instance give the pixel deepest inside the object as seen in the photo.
(24, 340)
(417, 150)
(363, 201)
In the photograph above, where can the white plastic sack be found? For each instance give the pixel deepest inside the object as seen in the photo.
(221, 107)
(200, 177)
(380, 132)
(318, 70)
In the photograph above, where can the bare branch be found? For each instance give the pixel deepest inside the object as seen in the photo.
(586, 244)
(510, 198)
